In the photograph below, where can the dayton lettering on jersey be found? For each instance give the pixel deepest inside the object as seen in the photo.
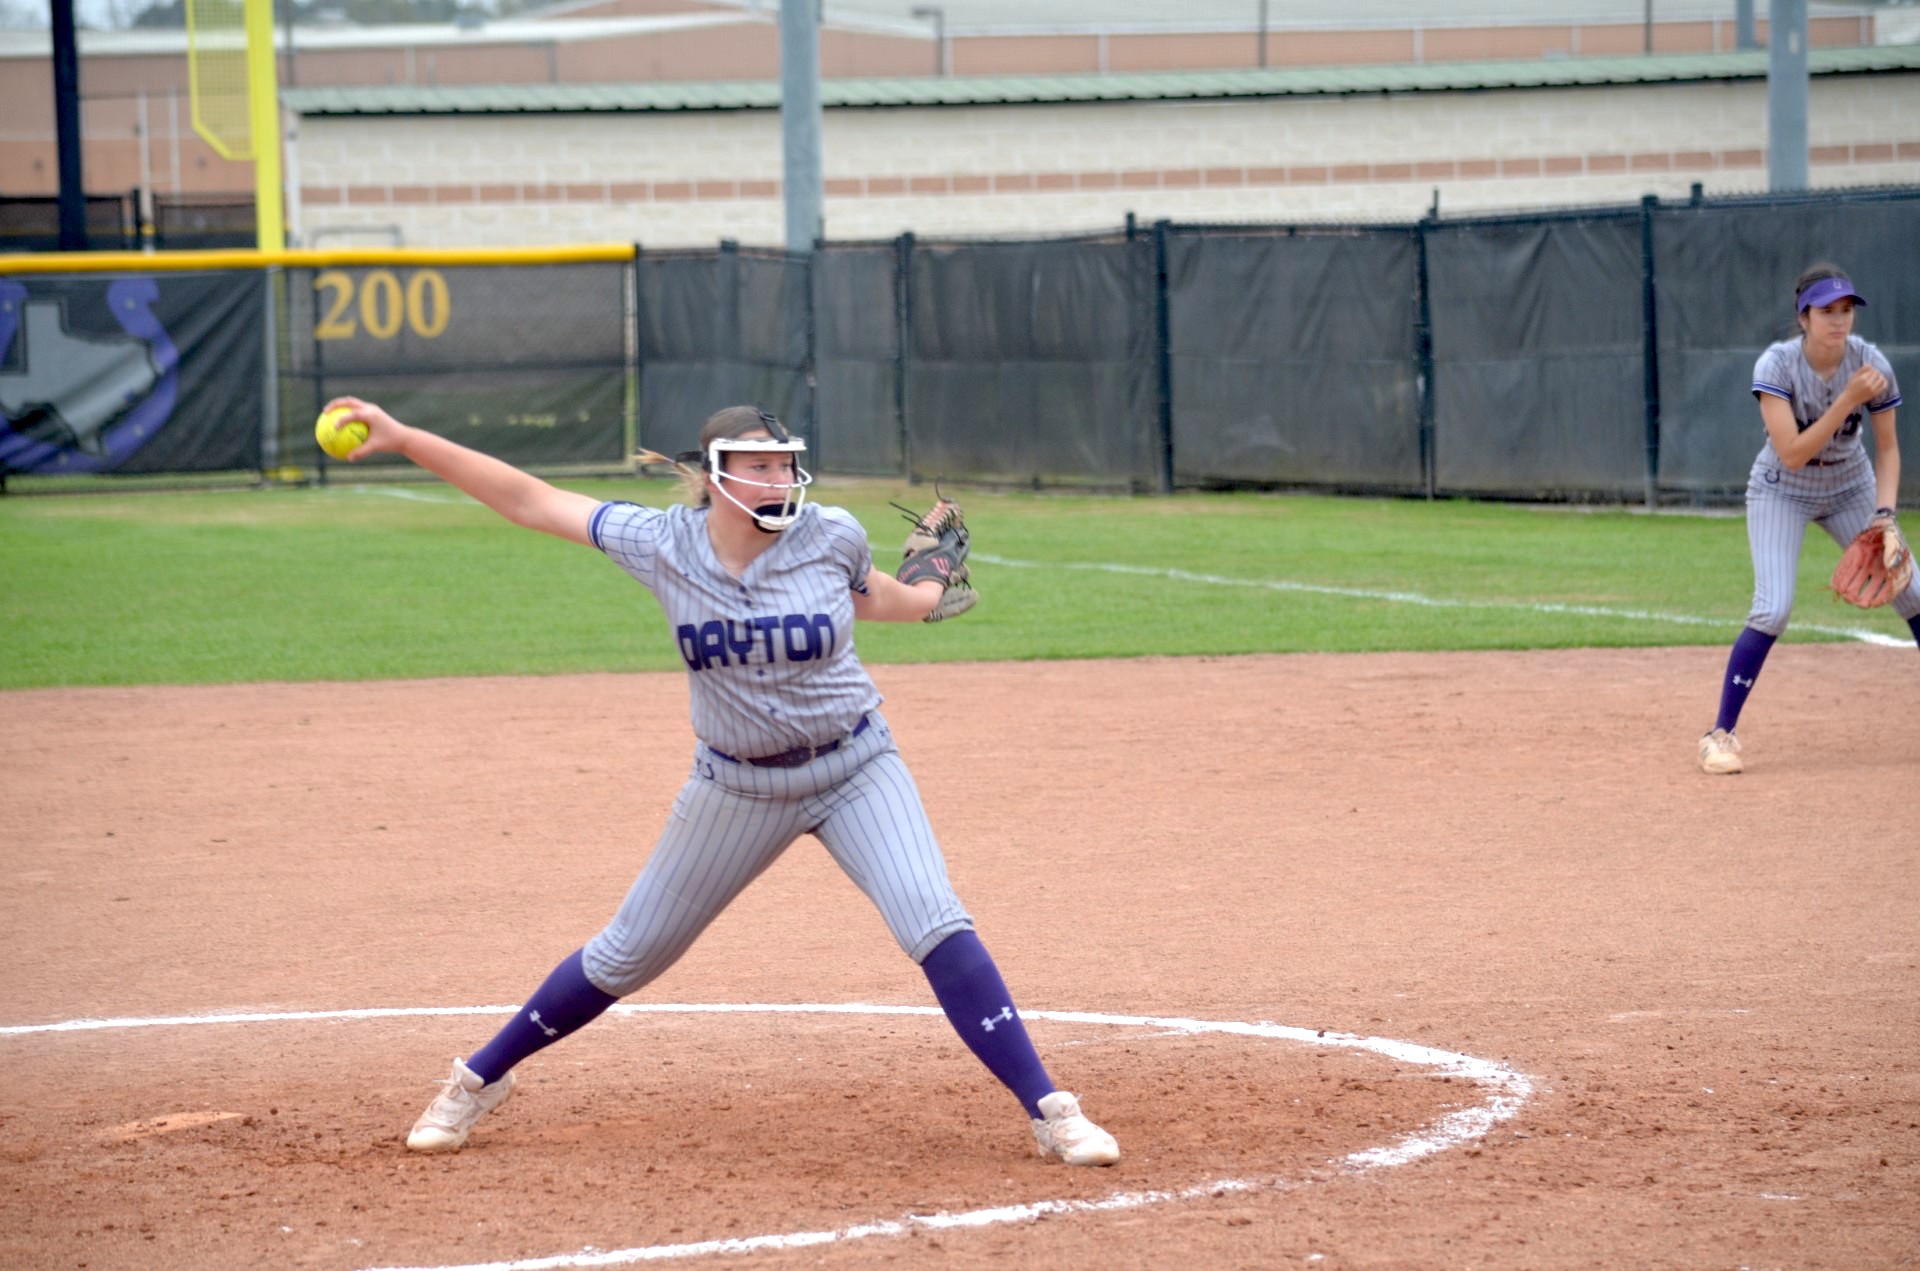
(794, 637)
(1847, 429)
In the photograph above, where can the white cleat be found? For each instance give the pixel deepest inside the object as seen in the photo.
(1067, 1135)
(444, 1126)
(1720, 752)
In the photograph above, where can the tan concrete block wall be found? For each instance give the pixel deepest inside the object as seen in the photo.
(747, 48)
(692, 179)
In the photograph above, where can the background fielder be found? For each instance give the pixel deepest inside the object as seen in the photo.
(761, 594)
(1814, 391)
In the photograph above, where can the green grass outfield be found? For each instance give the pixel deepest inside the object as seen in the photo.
(384, 581)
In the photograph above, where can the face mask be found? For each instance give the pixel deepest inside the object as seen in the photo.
(770, 515)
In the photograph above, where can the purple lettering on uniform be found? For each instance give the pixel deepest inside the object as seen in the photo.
(740, 639)
(799, 637)
(713, 644)
(766, 627)
(730, 642)
(689, 645)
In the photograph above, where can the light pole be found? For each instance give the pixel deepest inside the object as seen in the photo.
(293, 76)
(937, 14)
(1787, 95)
(800, 124)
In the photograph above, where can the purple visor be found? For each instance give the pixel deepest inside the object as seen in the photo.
(1820, 294)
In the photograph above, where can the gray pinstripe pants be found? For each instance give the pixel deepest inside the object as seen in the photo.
(1781, 503)
(733, 820)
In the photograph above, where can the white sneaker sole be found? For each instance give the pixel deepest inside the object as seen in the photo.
(426, 1137)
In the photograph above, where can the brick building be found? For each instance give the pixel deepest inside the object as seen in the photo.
(657, 120)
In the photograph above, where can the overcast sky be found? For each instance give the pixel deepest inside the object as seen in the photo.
(39, 13)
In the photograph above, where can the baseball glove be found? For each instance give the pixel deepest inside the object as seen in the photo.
(936, 549)
(1876, 567)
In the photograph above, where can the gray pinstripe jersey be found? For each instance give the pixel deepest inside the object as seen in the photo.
(771, 662)
(1782, 371)
(1835, 492)
(769, 654)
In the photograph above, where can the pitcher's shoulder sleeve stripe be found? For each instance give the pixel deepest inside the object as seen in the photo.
(1775, 366)
(599, 518)
(1778, 390)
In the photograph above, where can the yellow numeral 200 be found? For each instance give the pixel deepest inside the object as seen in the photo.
(425, 308)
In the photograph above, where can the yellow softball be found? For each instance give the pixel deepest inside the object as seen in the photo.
(336, 435)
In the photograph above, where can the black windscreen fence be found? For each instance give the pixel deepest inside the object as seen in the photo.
(137, 374)
(1292, 359)
(1596, 354)
(1725, 292)
(858, 294)
(1539, 378)
(31, 223)
(526, 362)
(716, 329)
(1031, 362)
(199, 221)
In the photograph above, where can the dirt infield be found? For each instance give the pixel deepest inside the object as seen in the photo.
(1707, 989)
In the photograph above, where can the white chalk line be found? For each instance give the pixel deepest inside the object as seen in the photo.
(415, 496)
(1503, 1089)
(1860, 634)
(1431, 602)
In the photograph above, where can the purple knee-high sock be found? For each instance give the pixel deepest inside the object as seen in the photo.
(566, 1003)
(1913, 625)
(980, 1009)
(1743, 668)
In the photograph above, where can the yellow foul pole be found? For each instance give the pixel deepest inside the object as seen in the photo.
(263, 101)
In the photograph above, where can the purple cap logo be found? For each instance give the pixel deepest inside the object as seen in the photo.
(1819, 295)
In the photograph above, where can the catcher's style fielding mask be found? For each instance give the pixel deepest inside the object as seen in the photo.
(770, 514)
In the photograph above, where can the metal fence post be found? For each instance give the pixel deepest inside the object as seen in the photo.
(903, 344)
(1423, 352)
(631, 347)
(1650, 356)
(273, 288)
(727, 265)
(809, 373)
(1163, 341)
(317, 359)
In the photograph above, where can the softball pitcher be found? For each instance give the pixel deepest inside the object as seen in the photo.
(761, 590)
(1815, 391)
